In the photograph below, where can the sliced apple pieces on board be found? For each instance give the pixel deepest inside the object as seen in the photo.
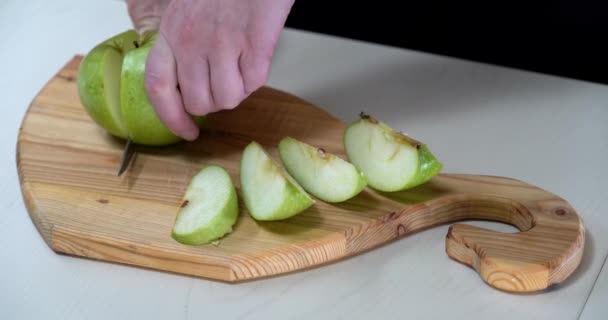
(209, 208)
(268, 191)
(391, 160)
(322, 174)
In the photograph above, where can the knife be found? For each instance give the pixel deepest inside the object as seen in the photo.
(127, 155)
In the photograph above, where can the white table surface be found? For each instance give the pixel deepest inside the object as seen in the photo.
(597, 306)
(482, 119)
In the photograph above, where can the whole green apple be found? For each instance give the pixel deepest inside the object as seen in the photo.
(112, 90)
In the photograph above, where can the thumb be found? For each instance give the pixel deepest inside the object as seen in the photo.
(146, 14)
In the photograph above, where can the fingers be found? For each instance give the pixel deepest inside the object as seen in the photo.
(161, 84)
(255, 68)
(226, 79)
(194, 85)
(213, 83)
(219, 52)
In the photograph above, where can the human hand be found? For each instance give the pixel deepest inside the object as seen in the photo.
(146, 14)
(209, 56)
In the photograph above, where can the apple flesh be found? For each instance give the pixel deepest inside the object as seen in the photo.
(112, 90)
(391, 160)
(322, 174)
(209, 208)
(99, 82)
(268, 191)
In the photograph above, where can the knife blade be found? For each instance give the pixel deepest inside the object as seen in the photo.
(127, 155)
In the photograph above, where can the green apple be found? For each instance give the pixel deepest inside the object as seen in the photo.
(322, 174)
(391, 160)
(209, 208)
(268, 191)
(112, 90)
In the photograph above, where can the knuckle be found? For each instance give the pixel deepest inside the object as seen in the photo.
(184, 38)
(155, 84)
(254, 79)
(154, 80)
(218, 43)
(196, 103)
(196, 109)
(229, 100)
(186, 31)
(255, 76)
(172, 120)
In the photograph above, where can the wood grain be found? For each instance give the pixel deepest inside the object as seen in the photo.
(67, 168)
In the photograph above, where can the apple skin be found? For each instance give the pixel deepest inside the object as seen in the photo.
(426, 164)
(270, 181)
(142, 122)
(428, 167)
(92, 87)
(221, 224)
(116, 97)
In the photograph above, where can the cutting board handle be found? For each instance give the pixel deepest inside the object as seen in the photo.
(545, 251)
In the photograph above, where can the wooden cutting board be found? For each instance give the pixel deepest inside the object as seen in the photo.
(67, 167)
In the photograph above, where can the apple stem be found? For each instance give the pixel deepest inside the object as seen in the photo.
(135, 44)
(185, 203)
(407, 138)
(321, 152)
(371, 119)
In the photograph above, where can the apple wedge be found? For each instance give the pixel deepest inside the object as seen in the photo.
(99, 82)
(209, 208)
(391, 160)
(322, 174)
(268, 191)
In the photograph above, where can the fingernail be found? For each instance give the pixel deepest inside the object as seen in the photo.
(190, 135)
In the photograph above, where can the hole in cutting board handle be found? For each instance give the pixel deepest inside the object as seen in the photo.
(545, 250)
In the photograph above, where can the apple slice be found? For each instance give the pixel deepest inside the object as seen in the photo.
(99, 82)
(209, 208)
(268, 191)
(324, 175)
(391, 160)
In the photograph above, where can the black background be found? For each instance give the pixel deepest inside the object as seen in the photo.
(564, 38)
